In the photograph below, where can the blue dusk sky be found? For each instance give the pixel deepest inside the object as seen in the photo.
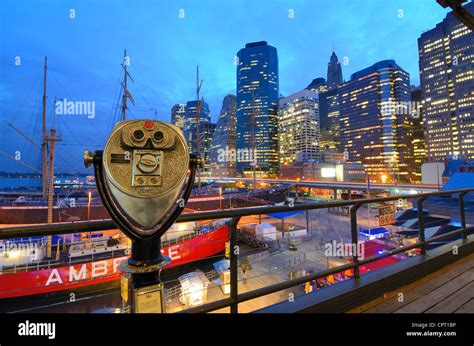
(84, 41)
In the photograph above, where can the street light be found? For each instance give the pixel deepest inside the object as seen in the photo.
(384, 178)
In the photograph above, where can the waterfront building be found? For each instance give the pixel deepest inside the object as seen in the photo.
(446, 60)
(257, 110)
(298, 128)
(178, 114)
(374, 130)
(328, 113)
(223, 146)
(199, 122)
(419, 147)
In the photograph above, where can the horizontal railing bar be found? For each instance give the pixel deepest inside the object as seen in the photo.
(56, 228)
(213, 306)
(396, 251)
(260, 292)
(91, 226)
(294, 282)
(447, 235)
(206, 215)
(78, 227)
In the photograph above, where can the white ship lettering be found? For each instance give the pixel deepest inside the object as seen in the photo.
(81, 275)
(97, 269)
(172, 252)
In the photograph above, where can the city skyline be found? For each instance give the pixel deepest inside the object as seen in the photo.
(83, 73)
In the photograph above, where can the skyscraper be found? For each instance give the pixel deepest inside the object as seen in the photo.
(206, 131)
(318, 85)
(177, 115)
(223, 149)
(192, 119)
(374, 130)
(446, 59)
(328, 113)
(257, 109)
(419, 146)
(299, 128)
(334, 72)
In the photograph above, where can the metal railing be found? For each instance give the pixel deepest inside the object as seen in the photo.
(235, 214)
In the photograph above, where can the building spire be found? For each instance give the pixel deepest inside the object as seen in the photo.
(334, 75)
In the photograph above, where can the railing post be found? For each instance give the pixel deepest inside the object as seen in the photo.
(355, 239)
(421, 225)
(462, 212)
(234, 280)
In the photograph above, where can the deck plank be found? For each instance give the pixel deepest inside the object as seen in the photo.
(427, 301)
(466, 308)
(454, 301)
(417, 295)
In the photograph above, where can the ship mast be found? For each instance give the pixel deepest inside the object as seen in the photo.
(44, 159)
(52, 139)
(126, 94)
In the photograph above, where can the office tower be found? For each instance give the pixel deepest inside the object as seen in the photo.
(198, 122)
(206, 134)
(419, 147)
(446, 60)
(318, 85)
(177, 115)
(334, 72)
(329, 116)
(257, 109)
(374, 130)
(298, 128)
(223, 150)
(328, 113)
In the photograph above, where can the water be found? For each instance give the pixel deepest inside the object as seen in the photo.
(34, 183)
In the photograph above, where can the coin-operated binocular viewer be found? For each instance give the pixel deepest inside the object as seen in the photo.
(144, 176)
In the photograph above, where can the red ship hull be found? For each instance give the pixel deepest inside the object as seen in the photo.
(70, 277)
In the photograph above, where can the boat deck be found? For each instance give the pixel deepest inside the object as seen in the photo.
(448, 290)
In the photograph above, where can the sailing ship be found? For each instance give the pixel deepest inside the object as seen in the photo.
(52, 264)
(66, 204)
(78, 262)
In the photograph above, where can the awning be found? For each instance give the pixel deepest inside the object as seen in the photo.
(374, 231)
(286, 214)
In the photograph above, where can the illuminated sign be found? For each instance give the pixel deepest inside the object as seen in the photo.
(386, 214)
(328, 172)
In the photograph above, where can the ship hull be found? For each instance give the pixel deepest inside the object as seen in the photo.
(89, 274)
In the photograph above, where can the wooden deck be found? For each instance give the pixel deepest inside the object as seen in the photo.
(448, 290)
